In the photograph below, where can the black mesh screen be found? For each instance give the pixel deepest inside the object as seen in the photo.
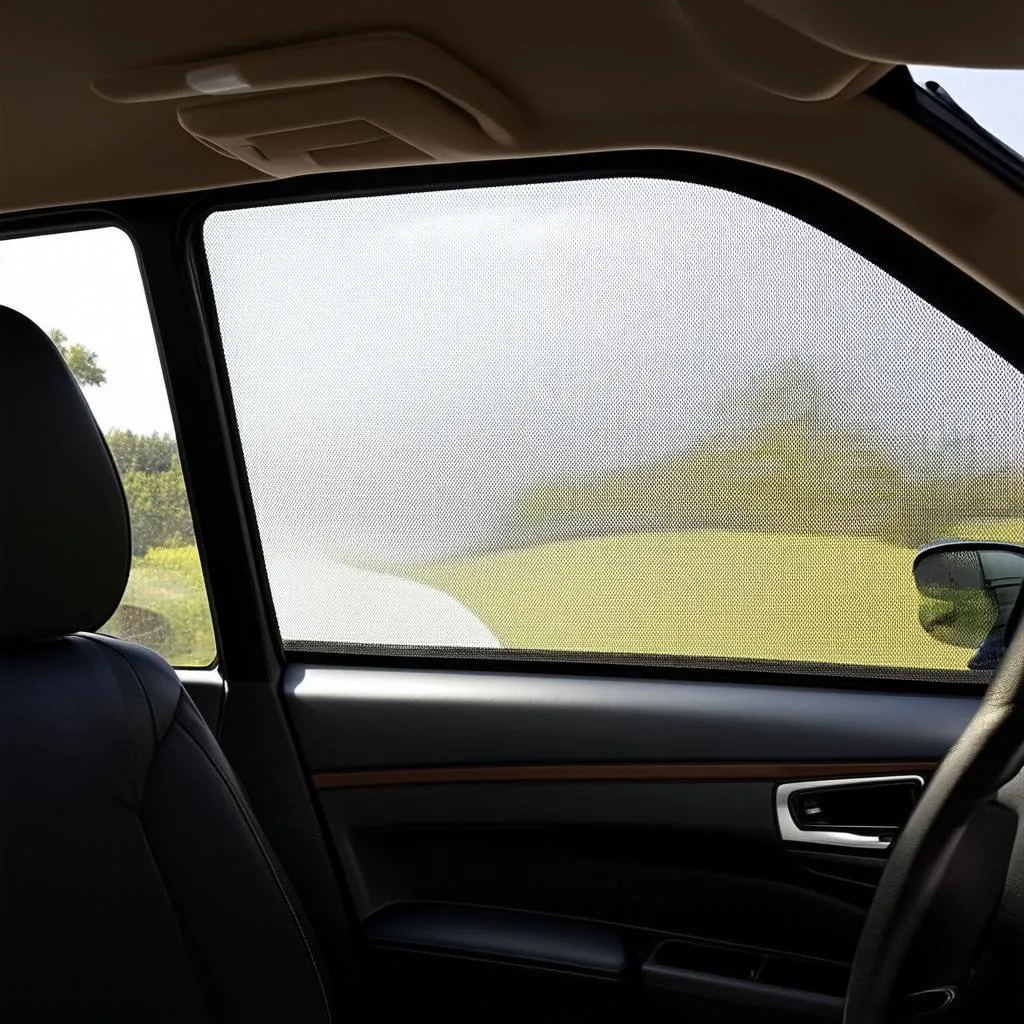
(630, 416)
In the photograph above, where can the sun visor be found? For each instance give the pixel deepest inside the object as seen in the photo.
(772, 56)
(953, 33)
(370, 100)
(824, 50)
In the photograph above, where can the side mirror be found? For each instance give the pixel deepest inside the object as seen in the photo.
(968, 591)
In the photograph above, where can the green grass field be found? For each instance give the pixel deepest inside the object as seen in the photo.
(719, 594)
(1009, 530)
(165, 607)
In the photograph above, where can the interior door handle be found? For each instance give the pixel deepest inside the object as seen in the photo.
(869, 835)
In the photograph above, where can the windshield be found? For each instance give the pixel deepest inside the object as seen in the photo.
(992, 98)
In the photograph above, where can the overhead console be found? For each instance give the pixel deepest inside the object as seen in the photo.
(390, 98)
(369, 100)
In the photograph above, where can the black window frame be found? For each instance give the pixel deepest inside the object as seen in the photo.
(899, 90)
(167, 232)
(927, 274)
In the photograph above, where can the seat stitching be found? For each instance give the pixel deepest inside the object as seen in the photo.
(239, 804)
(101, 642)
(203, 982)
(244, 811)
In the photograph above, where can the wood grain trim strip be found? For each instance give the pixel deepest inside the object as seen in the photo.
(743, 771)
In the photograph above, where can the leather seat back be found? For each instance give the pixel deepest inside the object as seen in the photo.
(135, 882)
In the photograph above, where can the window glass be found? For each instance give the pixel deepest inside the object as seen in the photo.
(84, 289)
(631, 416)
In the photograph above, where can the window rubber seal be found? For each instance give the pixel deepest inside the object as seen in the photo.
(902, 93)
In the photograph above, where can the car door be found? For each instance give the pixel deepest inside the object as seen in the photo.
(559, 521)
(588, 503)
(588, 495)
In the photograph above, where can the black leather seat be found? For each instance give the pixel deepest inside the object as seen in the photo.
(135, 883)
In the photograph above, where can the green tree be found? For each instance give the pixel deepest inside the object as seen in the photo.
(149, 466)
(142, 453)
(789, 392)
(82, 362)
(774, 460)
(158, 508)
(155, 489)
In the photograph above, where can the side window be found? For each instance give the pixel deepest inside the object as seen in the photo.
(633, 417)
(84, 289)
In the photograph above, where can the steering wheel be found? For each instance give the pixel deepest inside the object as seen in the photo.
(955, 875)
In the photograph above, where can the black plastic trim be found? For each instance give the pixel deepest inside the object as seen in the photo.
(208, 692)
(744, 979)
(601, 665)
(898, 90)
(511, 936)
(738, 812)
(249, 647)
(358, 718)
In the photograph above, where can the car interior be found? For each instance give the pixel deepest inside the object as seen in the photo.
(512, 512)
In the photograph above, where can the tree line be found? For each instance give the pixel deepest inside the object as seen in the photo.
(149, 465)
(777, 462)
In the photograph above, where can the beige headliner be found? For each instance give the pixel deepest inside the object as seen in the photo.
(712, 75)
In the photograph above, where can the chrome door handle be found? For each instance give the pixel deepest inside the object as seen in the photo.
(792, 832)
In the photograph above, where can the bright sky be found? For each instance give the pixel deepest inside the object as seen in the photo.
(87, 283)
(454, 347)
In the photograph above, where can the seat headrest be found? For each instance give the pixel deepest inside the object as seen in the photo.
(65, 542)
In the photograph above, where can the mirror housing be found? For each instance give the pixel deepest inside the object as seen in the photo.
(969, 595)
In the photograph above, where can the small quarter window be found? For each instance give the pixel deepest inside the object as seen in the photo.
(85, 290)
